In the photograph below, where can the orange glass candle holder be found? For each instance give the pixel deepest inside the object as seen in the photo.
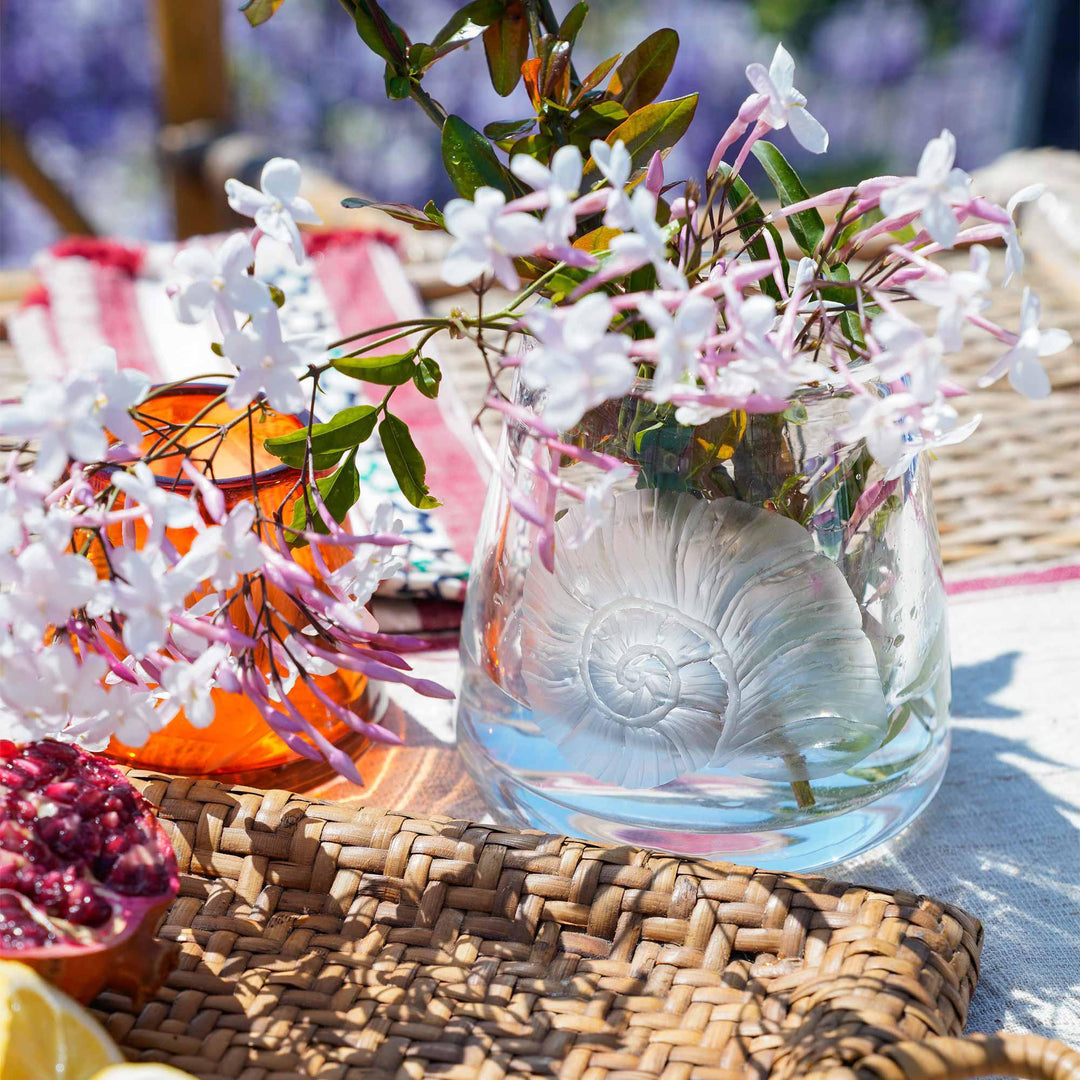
(239, 740)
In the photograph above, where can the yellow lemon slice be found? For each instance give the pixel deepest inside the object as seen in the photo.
(146, 1071)
(43, 1033)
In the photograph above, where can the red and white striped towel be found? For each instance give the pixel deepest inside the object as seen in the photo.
(103, 292)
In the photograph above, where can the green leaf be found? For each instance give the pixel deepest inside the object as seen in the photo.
(806, 226)
(571, 25)
(536, 146)
(433, 214)
(380, 33)
(427, 376)
(397, 86)
(508, 129)
(344, 431)
(339, 492)
(421, 57)
(749, 221)
(418, 219)
(258, 11)
(468, 22)
(405, 462)
(863, 221)
(849, 320)
(639, 79)
(655, 127)
(598, 74)
(506, 46)
(470, 160)
(596, 122)
(392, 370)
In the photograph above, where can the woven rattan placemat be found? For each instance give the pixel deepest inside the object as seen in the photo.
(334, 942)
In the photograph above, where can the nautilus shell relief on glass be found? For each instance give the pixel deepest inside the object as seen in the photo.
(685, 634)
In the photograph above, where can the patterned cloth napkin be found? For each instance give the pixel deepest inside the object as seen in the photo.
(103, 292)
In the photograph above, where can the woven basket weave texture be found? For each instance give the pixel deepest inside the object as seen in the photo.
(326, 941)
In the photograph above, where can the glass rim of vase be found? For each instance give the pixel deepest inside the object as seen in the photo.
(227, 484)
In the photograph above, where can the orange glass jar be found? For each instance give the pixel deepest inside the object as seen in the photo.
(238, 740)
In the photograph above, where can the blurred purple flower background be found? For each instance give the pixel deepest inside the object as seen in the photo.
(80, 80)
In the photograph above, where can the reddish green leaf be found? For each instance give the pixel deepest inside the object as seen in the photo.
(569, 27)
(655, 127)
(380, 33)
(597, 75)
(258, 11)
(506, 45)
(468, 22)
(411, 215)
(639, 79)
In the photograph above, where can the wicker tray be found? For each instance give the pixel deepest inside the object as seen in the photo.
(333, 942)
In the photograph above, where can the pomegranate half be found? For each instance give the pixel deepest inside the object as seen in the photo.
(86, 872)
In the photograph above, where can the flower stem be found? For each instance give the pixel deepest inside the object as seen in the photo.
(801, 789)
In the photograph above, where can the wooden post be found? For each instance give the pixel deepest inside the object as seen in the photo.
(193, 88)
(16, 161)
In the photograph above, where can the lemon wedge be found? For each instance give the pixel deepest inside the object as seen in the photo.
(142, 1071)
(44, 1033)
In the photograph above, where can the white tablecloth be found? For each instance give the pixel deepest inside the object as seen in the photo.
(1002, 837)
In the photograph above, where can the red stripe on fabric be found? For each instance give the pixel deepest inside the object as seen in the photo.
(1052, 576)
(439, 614)
(121, 321)
(362, 299)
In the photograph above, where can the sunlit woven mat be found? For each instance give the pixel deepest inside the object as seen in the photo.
(333, 942)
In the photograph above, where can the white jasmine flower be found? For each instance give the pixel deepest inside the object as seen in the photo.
(116, 390)
(372, 563)
(265, 364)
(61, 417)
(1014, 254)
(219, 281)
(885, 424)
(577, 361)
(1026, 374)
(147, 593)
(957, 295)
(648, 241)
(907, 353)
(934, 190)
(189, 685)
(221, 553)
(679, 339)
(131, 714)
(54, 684)
(786, 106)
(48, 585)
(561, 184)
(487, 239)
(614, 165)
(161, 508)
(277, 207)
(897, 429)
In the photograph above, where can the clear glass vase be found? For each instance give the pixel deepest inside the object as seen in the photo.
(742, 656)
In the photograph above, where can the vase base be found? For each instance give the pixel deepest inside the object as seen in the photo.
(294, 773)
(810, 845)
